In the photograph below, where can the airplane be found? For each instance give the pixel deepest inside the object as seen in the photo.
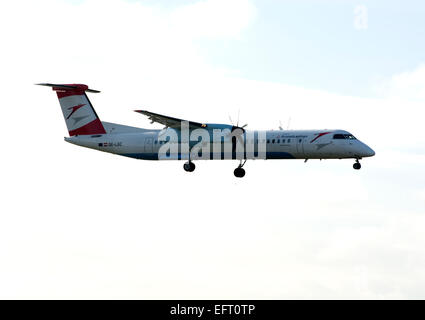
(189, 140)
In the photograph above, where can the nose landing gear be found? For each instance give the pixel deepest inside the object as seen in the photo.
(189, 166)
(239, 171)
(357, 165)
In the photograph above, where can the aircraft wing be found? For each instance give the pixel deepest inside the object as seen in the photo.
(169, 121)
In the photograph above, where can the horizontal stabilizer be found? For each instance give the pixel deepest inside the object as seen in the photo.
(68, 86)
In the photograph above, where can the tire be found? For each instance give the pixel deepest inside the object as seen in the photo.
(189, 167)
(186, 167)
(239, 172)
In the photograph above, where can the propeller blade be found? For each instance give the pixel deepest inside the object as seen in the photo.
(231, 121)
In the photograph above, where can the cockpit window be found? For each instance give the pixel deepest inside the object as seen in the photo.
(344, 136)
(349, 136)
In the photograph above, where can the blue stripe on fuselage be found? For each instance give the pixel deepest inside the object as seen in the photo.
(154, 156)
(279, 155)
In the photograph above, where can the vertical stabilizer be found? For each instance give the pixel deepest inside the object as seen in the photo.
(80, 116)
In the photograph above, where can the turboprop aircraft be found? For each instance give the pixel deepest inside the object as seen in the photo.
(189, 140)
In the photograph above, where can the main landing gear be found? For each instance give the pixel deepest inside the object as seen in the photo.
(189, 166)
(239, 171)
(357, 165)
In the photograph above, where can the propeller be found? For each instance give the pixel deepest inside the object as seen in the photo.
(237, 131)
(280, 125)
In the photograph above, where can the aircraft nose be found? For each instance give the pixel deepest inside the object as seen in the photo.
(367, 151)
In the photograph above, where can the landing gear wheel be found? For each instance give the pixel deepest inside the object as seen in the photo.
(357, 165)
(239, 172)
(189, 166)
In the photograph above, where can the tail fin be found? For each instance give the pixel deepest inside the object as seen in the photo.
(79, 114)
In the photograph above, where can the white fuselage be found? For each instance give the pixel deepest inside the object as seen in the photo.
(278, 144)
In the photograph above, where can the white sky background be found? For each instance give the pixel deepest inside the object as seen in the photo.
(76, 223)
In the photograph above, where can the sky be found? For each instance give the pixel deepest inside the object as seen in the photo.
(80, 224)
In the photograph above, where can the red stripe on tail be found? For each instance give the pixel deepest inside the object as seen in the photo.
(94, 127)
(62, 92)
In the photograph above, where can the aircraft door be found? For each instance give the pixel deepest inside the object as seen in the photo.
(300, 147)
(148, 144)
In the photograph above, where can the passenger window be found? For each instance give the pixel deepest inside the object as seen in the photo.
(289, 140)
(283, 140)
(300, 140)
(273, 141)
(278, 140)
(268, 140)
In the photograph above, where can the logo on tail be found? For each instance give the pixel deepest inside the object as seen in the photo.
(74, 108)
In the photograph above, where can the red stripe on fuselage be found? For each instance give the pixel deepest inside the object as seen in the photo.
(94, 127)
(319, 135)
